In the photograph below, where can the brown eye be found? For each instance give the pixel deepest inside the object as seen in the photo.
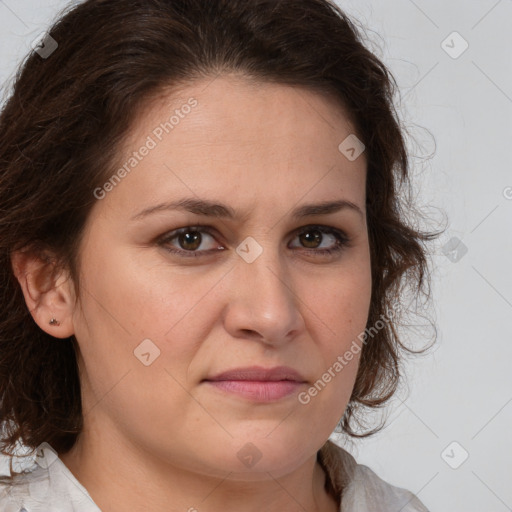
(312, 237)
(187, 241)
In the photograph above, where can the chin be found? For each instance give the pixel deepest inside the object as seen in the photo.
(252, 460)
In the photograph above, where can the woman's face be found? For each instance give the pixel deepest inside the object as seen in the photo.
(246, 284)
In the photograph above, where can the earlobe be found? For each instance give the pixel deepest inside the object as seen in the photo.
(49, 294)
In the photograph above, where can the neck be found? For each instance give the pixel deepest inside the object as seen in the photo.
(120, 476)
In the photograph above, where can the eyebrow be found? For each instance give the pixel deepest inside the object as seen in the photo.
(219, 210)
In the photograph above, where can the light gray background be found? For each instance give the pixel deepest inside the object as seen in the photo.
(459, 111)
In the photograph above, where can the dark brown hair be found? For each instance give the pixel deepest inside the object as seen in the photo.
(69, 112)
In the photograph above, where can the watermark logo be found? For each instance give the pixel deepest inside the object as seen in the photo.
(454, 455)
(455, 249)
(45, 455)
(249, 455)
(454, 45)
(352, 148)
(151, 143)
(44, 45)
(146, 352)
(304, 397)
(249, 250)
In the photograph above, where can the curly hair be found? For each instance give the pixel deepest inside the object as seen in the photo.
(69, 112)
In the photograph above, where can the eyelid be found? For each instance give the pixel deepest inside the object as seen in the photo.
(342, 239)
(329, 230)
(170, 235)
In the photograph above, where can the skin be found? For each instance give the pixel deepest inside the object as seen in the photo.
(156, 437)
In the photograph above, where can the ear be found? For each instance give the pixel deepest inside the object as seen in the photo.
(48, 293)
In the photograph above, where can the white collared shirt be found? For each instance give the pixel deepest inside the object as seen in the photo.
(49, 486)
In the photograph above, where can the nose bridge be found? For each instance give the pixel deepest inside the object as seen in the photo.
(264, 301)
(261, 268)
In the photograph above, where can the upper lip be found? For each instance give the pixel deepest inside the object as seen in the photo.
(258, 373)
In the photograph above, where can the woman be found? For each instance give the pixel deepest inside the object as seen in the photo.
(202, 250)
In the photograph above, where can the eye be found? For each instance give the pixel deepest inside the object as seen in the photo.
(188, 239)
(311, 238)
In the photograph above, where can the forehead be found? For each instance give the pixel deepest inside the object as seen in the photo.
(230, 136)
(234, 103)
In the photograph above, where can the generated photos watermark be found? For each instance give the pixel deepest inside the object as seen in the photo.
(157, 133)
(342, 361)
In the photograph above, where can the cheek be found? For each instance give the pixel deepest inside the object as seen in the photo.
(137, 336)
(342, 309)
(341, 303)
(125, 301)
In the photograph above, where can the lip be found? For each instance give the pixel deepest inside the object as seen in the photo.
(258, 384)
(258, 373)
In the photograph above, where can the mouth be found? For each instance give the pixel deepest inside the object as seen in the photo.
(258, 384)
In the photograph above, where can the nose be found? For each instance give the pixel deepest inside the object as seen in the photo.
(262, 301)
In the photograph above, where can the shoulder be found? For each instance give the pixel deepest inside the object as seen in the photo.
(40, 488)
(362, 489)
(370, 492)
(16, 493)
(27, 491)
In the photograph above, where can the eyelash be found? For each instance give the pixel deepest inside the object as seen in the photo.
(342, 240)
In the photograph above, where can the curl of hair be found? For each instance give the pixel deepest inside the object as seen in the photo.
(68, 115)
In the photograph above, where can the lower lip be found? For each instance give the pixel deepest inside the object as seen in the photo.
(258, 391)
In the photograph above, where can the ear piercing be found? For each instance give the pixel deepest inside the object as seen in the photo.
(54, 321)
